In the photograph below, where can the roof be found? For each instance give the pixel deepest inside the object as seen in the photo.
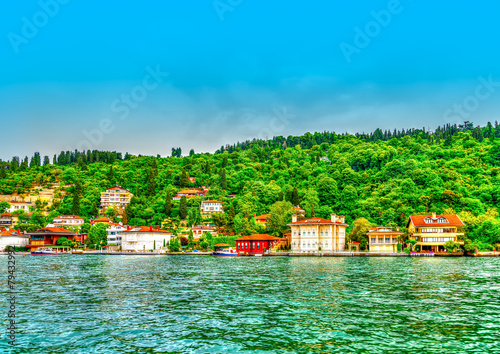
(222, 245)
(53, 230)
(29, 203)
(317, 221)
(68, 217)
(211, 201)
(102, 219)
(136, 229)
(376, 231)
(258, 237)
(204, 227)
(12, 233)
(419, 220)
(262, 217)
(298, 208)
(353, 242)
(117, 187)
(5, 214)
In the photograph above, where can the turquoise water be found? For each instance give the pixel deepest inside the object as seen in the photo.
(177, 304)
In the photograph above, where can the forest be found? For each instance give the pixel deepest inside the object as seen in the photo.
(380, 178)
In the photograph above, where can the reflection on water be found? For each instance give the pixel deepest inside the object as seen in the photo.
(118, 304)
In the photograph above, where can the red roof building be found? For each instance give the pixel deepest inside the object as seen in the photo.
(255, 244)
(48, 237)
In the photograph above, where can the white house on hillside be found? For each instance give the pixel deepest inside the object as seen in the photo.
(144, 238)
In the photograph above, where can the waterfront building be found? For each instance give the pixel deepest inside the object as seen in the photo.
(255, 244)
(68, 220)
(262, 220)
(48, 236)
(114, 234)
(117, 198)
(432, 231)
(13, 238)
(202, 230)
(209, 207)
(317, 234)
(6, 221)
(144, 238)
(383, 239)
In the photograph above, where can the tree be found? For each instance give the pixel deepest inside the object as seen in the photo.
(77, 195)
(85, 228)
(279, 216)
(223, 179)
(183, 208)
(184, 180)
(168, 205)
(295, 197)
(4, 206)
(184, 241)
(98, 234)
(111, 213)
(359, 232)
(451, 246)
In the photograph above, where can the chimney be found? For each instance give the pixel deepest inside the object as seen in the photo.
(433, 215)
(128, 228)
(333, 217)
(157, 228)
(150, 227)
(294, 218)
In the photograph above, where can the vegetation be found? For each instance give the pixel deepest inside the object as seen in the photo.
(382, 177)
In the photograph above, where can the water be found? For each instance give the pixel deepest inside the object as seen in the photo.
(177, 304)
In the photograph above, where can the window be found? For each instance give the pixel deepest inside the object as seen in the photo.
(258, 245)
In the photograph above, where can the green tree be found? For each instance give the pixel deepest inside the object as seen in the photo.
(183, 208)
(279, 216)
(359, 232)
(184, 180)
(98, 234)
(4, 206)
(77, 196)
(168, 205)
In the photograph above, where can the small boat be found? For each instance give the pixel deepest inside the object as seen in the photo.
(44, 251)
(224, 250)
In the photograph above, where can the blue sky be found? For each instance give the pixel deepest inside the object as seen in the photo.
(238, 70)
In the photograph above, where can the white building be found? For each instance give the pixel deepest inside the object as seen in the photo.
(68, 220)
(316, 234)
(114, 234)
(13, 238)
(14, 206)
(211, 206)
(144, 238)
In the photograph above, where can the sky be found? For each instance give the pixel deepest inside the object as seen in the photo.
(143, 77)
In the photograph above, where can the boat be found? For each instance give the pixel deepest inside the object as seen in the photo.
(224, 250)
(44, 251)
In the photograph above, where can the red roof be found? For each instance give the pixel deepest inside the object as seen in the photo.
(262, 217)
(5, 214)
(54, 230)
(258, 237)
(211, 201)
(316, 221)
(11, 233)
(419, 220)
(375, 230)
(103, 219)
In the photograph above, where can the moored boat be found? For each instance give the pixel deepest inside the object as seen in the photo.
(44, 251)
(224, 250)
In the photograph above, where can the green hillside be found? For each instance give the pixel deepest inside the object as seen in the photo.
(383, 177)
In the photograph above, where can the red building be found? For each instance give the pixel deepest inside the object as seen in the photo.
(255, 244)
(48, 237)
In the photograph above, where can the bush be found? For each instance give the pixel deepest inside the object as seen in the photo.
(406, 250)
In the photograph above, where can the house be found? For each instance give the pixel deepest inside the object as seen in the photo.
(68, 220)
(383, 239)
(190, 193)
(261, 219)
(209, 207)
(117, 198)
(317, 234)
(102, 219)
(202, 230)
(144, 238)
(6, 221)
(298, 210)
(13, 238)
(48, 236)
(15, 206)
(432, 231)
(114, 234)
(255, 244)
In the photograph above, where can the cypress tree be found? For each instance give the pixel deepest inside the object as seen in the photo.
(183, 208)
(77, 195)
(223, 180)
(184, 179)
(295, 197)
(168, 205)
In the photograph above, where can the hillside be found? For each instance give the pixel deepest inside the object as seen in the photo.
(383, 177)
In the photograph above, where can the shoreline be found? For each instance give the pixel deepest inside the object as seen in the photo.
(276, 254)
